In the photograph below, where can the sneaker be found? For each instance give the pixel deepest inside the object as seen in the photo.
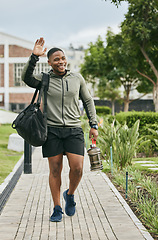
(57, 214)
(70, 204)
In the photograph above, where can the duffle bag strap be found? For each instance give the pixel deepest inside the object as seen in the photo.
(44, 88)
(34, 96)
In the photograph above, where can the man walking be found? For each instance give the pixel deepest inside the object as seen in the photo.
(65, 135)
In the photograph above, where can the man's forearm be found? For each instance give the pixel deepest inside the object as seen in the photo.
(90, 110)
(27, 73)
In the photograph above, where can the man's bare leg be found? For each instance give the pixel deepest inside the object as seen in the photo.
(76, 170)
(55, 166)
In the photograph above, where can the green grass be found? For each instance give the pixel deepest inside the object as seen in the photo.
(137, 165)
(145, 168)
(8, 158)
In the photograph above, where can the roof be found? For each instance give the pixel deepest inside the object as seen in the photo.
(12, 40)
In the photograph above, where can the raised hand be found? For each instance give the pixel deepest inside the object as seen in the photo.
(38, 47)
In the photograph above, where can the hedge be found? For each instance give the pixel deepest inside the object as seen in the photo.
(131, 117)
(103, 110)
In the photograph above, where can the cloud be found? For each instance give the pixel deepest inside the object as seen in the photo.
(86, 36)
(60, 22)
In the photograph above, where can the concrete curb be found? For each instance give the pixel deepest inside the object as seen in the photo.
(9, 177)
(136, 221)
(10, 182)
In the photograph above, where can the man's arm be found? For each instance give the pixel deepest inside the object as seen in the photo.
(27, 73)
(89, 106)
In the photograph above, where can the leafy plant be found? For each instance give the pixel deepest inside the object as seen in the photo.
(106, 136)
(125, 141)
(147, 128)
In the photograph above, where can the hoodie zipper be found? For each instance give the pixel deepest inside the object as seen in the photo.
(63, 101)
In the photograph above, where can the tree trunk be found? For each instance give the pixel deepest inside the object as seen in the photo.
(155, 96)
(155, 88)
(126, 106)
(126, 101)
(113, 107)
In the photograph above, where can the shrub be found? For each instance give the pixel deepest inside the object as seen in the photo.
(148, 127)
(103, 110)
(131, 117)
(150, 132)
(124, 141)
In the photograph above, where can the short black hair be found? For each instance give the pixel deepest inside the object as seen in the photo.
(53, 50)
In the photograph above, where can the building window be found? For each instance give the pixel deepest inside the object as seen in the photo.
(18, 67)
(17, 74)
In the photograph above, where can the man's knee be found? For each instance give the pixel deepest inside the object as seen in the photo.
(55, 171)
(77, 171)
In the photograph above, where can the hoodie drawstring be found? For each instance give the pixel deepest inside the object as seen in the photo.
(67, 86)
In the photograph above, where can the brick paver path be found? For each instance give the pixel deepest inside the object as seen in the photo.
(99, 213)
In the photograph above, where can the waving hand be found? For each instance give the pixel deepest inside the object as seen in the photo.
(39, 49)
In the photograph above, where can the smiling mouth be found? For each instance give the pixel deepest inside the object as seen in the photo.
(61, 67)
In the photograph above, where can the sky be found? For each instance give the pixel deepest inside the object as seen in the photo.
(60, 22)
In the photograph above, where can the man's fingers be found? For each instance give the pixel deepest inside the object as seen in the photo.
(44, 50)
(90, 136)
(93, 132)
(40, 41)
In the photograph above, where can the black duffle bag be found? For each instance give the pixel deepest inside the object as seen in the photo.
(31, 123)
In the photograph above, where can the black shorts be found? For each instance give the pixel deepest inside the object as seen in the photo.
(61, 140)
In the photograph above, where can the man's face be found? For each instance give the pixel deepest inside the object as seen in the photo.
(58, 62)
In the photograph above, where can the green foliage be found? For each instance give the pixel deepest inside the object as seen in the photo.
(150, 133)
(103, 110)
(131, 117)
(141, 21)
(124, 59)
(95, 62)
(149, 212)
(147, 130)
(125, 141)
(142, 192)
(117, 2)
(138, 165)
(139, 33)
(109, 91)
(105, 138)
(125, 144)
(113, 65)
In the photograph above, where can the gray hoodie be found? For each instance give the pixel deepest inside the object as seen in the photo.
(62, 96)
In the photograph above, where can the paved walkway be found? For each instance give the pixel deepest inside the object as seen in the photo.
(7, 117)
(101, 212)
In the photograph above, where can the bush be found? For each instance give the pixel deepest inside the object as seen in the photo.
(125, 141)
(148, 127)
(103, 110)
(150, 131)
(131, 117)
